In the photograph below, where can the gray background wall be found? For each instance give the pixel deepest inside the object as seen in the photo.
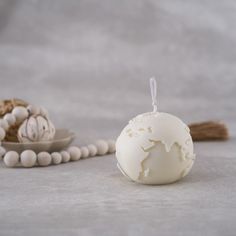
(89, 63)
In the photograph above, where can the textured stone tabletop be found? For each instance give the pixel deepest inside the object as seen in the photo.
(89, 62)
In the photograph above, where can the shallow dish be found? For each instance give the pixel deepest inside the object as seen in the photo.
(62, 139)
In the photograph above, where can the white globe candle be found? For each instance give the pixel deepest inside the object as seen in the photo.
(155, 147)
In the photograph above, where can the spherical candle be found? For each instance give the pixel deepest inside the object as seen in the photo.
(11, 158)
(56, 158)
(2, 134)
(75, 153)
(36, 128)
(111, 146)
(84, 152)
(102, 147)
(20, 114)
(92, 150)
(155, 148)
(4, 124)
(10, 118)
(44, 159)
(28, 158)
(65, 156)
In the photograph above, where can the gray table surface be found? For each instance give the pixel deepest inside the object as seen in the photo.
(89, 62)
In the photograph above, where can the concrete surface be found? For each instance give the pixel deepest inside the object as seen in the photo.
(89, 62)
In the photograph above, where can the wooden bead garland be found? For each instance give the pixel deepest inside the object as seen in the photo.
(29, 158)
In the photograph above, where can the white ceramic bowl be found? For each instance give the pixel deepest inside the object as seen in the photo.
(62, 139)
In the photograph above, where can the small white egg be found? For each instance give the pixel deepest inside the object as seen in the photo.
(10, 118)
(28, 158)
(111, 146)
(102, 147)
(20, 114)
(11, 158)
(92, 150)
(4, 124)
(33, 110)
(65, 156)
(44, 112)
(2, 134)
(75, 153)
(84, 152)
(56, 158)
(44, 159)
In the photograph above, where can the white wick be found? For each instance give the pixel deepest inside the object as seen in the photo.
(153, 86)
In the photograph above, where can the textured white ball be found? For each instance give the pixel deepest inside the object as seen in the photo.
(65, 156)
(102, 147)
(10, 118)
(28, 158)
(44, 159)
(84, 152)
(11, 158)
(56, 158)
(33, 110)
(4, 124)
(2, 134)
(92, 150)
(75, 153)
(2, 151)
(20, 114)
(36, 128)
(155, 148)
(111, 146)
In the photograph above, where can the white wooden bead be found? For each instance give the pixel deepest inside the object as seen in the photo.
(2, 151)
(65, 156)
(33, 110)
(10, 118)
(44, 159)
(92, 150)
(56, 158)
(102, 147)
(111, 146)
(28, 158)
(20, 114)
(2, 134)
(75, 153)
(11, 158)
(4, 124)
(84, 152)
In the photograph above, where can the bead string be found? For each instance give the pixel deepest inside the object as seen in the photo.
(153, 87)
(29, 158)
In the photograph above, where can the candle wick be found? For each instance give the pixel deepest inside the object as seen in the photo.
(153, 86)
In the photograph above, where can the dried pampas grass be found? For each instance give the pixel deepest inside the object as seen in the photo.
(209, 130)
